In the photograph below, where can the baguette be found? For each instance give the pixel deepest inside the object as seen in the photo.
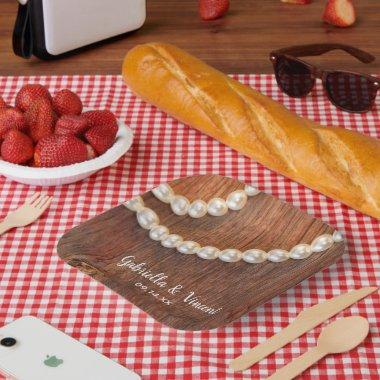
(339, 163)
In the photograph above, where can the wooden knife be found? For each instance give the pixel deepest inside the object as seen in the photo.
(305, 321)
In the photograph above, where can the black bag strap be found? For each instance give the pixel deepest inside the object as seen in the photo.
(22, 33)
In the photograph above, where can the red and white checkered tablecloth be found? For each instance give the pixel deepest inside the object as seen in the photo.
(34, 280)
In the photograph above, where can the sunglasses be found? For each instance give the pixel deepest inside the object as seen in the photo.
(349, 91)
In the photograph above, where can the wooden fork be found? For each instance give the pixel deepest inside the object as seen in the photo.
(30, 211)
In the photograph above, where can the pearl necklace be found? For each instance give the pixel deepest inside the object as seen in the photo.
(150, 221)
(180, 205)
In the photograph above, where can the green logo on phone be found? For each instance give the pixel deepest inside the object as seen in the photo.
(52, 361)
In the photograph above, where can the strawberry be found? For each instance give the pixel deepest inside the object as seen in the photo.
(100, 117)
(71, 125)
(29, 94)
(213, 9)
(339, 13)
(103, 129)
(302, 2)
(59, 150)
(66, 102)
(90, 152)
(41, 119)
(17, 147)
(101, 137)
(2, 103)
(11, 118)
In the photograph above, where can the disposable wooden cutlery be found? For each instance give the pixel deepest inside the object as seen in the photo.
(305, 321)
(340, 336)
(30, 211)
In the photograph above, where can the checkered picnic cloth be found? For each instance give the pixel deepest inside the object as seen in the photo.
(34, 280)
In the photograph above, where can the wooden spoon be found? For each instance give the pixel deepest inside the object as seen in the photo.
(340, 336)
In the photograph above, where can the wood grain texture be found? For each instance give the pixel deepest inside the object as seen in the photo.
(340, 336)
(306, 320)
(235, 288)
(238, 43)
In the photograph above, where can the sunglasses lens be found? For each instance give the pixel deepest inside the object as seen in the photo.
(294, 77)
(351, 92)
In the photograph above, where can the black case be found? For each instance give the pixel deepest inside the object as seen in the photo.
(29, 35)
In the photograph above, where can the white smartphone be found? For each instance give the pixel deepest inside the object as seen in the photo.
(31, 349)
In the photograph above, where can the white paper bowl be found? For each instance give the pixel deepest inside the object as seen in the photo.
(70, 173)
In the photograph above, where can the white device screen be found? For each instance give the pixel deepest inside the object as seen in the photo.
(31, 349)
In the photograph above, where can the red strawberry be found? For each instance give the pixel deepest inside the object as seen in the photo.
(29, 94)
(66, 102)
(302, 2)
(101, 138)
(17, 147)
(41, 119)
(71, 125)
(100, 117)
(11, 118)
(59, 150)
(103, 129)
(90, 152)
(339, 13)
(213, 9)
(2, 103)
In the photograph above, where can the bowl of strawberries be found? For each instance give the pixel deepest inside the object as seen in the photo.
(49, 140)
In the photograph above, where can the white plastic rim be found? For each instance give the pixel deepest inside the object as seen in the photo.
(71, 173)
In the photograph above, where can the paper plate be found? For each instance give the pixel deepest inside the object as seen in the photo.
(71, 173)
(184, 291)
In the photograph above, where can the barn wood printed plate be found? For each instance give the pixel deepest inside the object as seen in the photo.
(184, 291)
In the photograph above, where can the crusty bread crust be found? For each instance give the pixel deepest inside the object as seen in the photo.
(342, 164)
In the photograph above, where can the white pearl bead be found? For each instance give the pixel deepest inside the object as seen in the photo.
(230, 255)
(172, 241)
(322, 243)
(208, 253)
(158, 233)
(197, 209)
(179, 205)
(338, 236)
(147, 218)
(300, 251)
(278, 255)
(217, 207)
(237, 200)
(251, 191)
(254, 256)
(188, 247)
(164, 193)
(134, 204)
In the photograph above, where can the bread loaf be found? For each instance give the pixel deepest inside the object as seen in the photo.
(342, 164)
